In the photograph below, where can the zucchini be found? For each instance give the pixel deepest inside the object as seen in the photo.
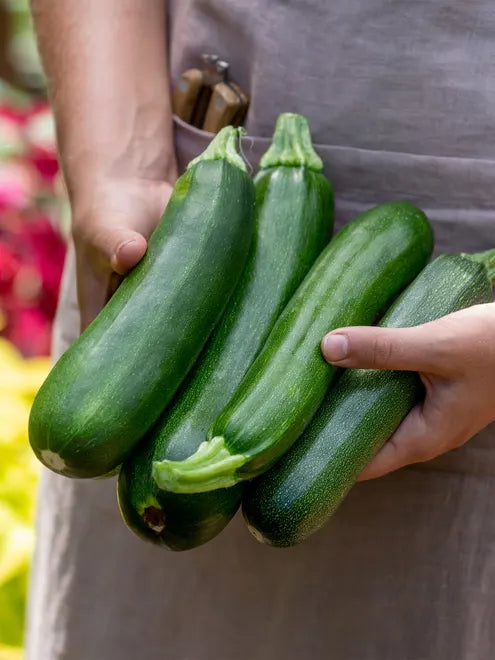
(114, 381)
(300, 493)
(293, 222)
(366, 265)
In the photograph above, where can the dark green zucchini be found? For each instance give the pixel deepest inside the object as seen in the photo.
(294, 219)
(300, 493)
(111, 385)
(363, 268)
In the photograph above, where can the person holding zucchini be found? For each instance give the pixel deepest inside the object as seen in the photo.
(405, 569)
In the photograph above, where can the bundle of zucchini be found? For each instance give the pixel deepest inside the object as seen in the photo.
(258, 404)
(361, 270)
(293, 223)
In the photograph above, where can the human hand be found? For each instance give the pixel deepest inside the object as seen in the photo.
(110, 237)
(455, 359)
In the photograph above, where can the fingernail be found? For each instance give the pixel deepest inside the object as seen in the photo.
(335, 347)
(114, 261)
(123, 245)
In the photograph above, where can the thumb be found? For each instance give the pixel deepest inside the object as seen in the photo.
(102, 255)
(120, 247)
(425, 348)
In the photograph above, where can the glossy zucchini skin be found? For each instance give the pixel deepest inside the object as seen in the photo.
(111, 385)
(303, 490)
(293, 223)
(362, 269)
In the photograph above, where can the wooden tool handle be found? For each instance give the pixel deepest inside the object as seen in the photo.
(223, 106)
(206, 99)
(186, 93)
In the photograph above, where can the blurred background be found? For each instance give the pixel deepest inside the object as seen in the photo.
(33, 228)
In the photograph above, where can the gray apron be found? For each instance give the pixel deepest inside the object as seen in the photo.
(401, 99)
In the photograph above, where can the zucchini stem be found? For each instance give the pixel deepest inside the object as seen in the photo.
(223, 145)
(211, 467)
(291, 145)
(488, 260)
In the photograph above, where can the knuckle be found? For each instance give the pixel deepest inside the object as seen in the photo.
(382, 351)
(447, 344)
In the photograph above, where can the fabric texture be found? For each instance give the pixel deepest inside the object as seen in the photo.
(400, 97)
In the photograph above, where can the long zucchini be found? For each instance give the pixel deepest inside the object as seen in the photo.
(302, 491)
(366, 265)
(293, 222)
(111, 385)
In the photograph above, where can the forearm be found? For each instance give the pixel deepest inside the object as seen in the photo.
(106, 64)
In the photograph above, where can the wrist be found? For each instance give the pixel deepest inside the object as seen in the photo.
(89, 171)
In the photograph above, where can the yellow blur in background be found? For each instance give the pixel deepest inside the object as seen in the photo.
(19, 470)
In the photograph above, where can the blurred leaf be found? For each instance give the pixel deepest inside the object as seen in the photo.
(13, 96)
(20, 6)
(12, 603)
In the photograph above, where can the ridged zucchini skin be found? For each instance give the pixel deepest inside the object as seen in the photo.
(293, 223)
(303, 490)
(362, 269)
(111, 385)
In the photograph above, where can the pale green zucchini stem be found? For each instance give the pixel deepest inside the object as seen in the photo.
(487, 259)
(212, 466)
(223, 145)
(291, 145)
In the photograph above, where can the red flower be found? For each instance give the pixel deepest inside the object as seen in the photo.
(30, 330)
(14, 115)
(31, 263)
(18, 184)
(9, 266)
(31, 250)
(48, 253)
(40, 135)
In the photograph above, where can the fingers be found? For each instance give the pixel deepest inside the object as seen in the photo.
(432, 428)
(424, 348)
(409, 444)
